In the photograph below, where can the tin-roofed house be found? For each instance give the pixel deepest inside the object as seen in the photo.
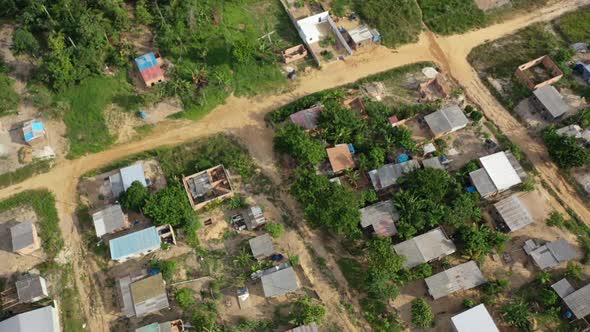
(380, 218)
(550, 254)
(513, 213)
(476, 319)
(313, 327)
(362, 36)
(458, 278)
(31, 288)
(500, 172)
(124, 178)
(149, 66)
(277, 282)
(24, 238)
(110, 220)
(254, 217)
(307, 118)
(34, 132)
(135, 244)
(578, 301)
(388, 175)
(550, 102)
(261, 246)
(207, 186)
(446, 120)
(143, 295)
(425, 248)
(171, 326)
(45, 319)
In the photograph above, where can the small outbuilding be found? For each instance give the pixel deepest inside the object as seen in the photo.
(446, 120)
(341, 158)
(551, 254)
(425, 248)
(513, 213)
(476, 319)
(261, 246)
(135, 244)
(279, 282)
(254, 217)
(362, 36)
(433, 162)
(550, 102)
(24, 238)
(149, 66)
(109, 220)
(380, 218)
(458, 278)
(570, 131)
(583, 69)
(34, 132)
(578, 301)
(143, 295)
(388, 175)
(124, 178)
(31, 288)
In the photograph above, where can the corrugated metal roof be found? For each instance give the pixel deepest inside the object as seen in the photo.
(579, 302)
(146, 61)
(33, 129)
(261, 246)
(340, 158)
(108, 220)
(149, 295)
(552, 100)
(254, 217)
(382, 216)
(433, 162)
(500, 170)
(483, 183)
(446, 120)
(476, 319)
(553, 253)
(22, 235)
(131, 174)
(388, 175)
(39, 320)
(156, 327)
(425, 248)
(513, 213)
(563, 288)
(30, 288)
(460, 277)
(313, 327)
(280, 282)
(135, 243)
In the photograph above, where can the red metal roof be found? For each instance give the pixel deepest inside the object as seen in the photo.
(152, 74)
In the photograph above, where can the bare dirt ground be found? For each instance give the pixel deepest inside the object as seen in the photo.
(244, 118)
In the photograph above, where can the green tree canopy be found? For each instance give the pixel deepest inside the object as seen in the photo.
(169, 206)
(478, 240)
(517, 314)
(291, 139)
(306, 311)
(565, 151)
(384, 266)
(23, 41)
(135, 197)
(422, 315)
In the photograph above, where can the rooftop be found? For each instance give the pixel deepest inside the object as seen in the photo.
(149, 295)
(22, 235)
(579, 302)
(426, 247)
(149, 67)
(108, 220)
(340, 158)
(570, 131)
(446, 120)
(388, 175)
(563, 288)
(476, 319)
(33, 129)
(122, 180)
(552, 100)
(460, 277)
(44, 319)
(261, 246)
(514, 213)
(382, 217)
(553, 253)
(433, 162)
(254, 217)
(500, 170)
(280, 282)
(31, 288)
(313, 327)
(307, 118)
(134, 243)
(362, 33)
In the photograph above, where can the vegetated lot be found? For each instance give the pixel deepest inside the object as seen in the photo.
(39, 207)
(211, 259)
(425, 199)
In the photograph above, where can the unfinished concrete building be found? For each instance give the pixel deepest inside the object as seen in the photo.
(538, 73)
(207, 186)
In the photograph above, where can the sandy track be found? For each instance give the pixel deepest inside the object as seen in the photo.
(244, 118)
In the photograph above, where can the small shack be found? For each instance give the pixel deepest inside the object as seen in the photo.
(362, 36)
(210, 185)
(341, 158)
(124, 178)
(433, 162)
(574, 131)
(31, 288)
(458, 278)
(513, 213)
(578, 301)
(45, 319)
(279, 282)
(254, 217)
(446, 120)
(135, 244)
(549, 102)
(550, 254)
(476, 319)
(110, 220)
(34, 132)
(584, 70)
(149, 66)
(425, 248)
(261, 246)
(380, 218)
(24, 238)
(144, 295)
(388, 175)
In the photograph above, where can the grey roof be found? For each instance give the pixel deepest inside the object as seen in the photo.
(149, 295)
(425, 248)
(579, 302)
(448, 119)
(513, 213)
(382, 216)
(516, 165)
(460, 277)
(127, 300)
(483, 183)
(362, 33)
(553, 253)
(433, 162)
(39, 320)
(563, 288)
(22, 235)
(313, 327)
(109, 220)
(570, 131)
(254, 217)
(122, 180)
(279, 282)
(31, 288)
(388, 175)
(552, 100)
(261, 246)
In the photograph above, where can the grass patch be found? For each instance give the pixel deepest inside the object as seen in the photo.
(353, 272)
(43, 203)
(398, 21)
(452, 16)
(87, 129)
(25, 172)
(70, 308)
(574, 26)
(9, 98)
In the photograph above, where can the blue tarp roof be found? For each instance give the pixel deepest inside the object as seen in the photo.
(146, 61)
(134, 243)
(37, 126)
(131, 174)
(29, 137)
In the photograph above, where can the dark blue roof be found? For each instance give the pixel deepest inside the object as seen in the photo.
(146, 61)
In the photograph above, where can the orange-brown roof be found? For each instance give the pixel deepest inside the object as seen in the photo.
(340, 158)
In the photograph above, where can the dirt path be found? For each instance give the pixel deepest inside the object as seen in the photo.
(245, 118)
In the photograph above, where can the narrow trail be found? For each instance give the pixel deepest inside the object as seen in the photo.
(244, 118)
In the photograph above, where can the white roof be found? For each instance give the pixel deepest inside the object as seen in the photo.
(476, 319)
(500, 170)
(39, 320)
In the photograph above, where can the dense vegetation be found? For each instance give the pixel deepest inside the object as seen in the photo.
(573, 26)
(9, 99)
(448, 17)
(565, 151)
(422, 315)
(398, 21)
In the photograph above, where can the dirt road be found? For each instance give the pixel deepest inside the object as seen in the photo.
(244, 118)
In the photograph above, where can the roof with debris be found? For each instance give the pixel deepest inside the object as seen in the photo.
(426, 247)
(388, 175)
(340, 158)
(149, 295)
(461, 277)
(553, 253)
(382, 217)
(22, 235)
(446, 120)
(109, 220)
(31, 288)
(307, 118)
(552, 100)
(476, 319)
(261, 246)
(44, 319)
(254, 217)
(280, 282)
(514, 213)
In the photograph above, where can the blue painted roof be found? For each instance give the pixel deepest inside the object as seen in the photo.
(131, 174)
(134, 243)
(29, 137)
(146, 61)
(37, 126)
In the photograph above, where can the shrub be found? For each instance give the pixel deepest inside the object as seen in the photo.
(291, 139)
(565, 151)
(574, 270)
(275, 230)
(185, 298)
(167, 268)
(476, 116)
(398, 21)
(555, 219)
(305, 311)
(169, 206)
(422, 315)
(328, 55)
(517, 314)
(135, 197)
(23, 41)
(469, 303)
